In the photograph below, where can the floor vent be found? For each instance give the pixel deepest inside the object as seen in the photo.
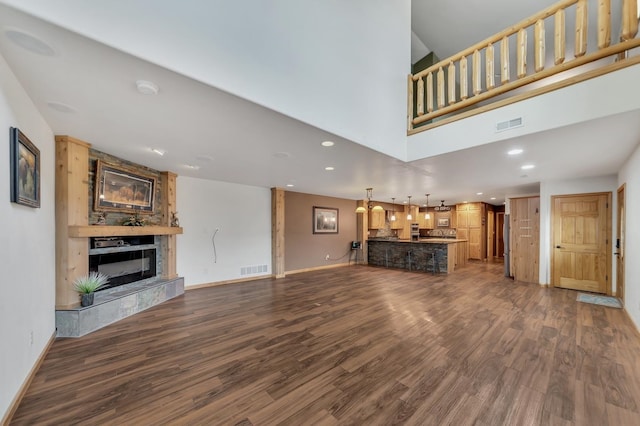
(255, 269)
(509, 124)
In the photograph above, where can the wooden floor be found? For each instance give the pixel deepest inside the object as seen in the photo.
(353, 345)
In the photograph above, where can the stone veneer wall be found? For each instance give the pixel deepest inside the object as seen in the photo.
(116, 218)
(396, 256)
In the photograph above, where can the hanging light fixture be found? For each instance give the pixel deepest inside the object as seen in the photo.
(427, 215)
(363, 209)
(409, 217)
(393, 211)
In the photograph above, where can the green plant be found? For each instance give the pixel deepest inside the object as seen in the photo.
(90, 283)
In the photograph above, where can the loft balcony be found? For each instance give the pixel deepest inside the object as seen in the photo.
(567, 43)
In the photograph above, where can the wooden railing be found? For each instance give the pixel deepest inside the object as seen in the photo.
(443, 89)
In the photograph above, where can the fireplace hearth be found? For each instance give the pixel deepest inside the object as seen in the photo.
(124, 259)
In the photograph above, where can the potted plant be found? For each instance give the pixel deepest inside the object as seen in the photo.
(86, 285)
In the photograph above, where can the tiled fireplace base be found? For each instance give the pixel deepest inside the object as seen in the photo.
(115, 304)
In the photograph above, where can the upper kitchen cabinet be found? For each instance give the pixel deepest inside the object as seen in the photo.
(423, 222)
(376, 219)
(400, 219)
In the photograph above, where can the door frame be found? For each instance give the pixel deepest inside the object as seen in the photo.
(609, 236)
(620, 231)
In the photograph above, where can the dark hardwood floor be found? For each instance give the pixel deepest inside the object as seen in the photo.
(354, 345)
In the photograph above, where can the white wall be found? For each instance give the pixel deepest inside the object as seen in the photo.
(630, 175)
(243, 216)
(295, 57)
(27, 252)
(567, 187)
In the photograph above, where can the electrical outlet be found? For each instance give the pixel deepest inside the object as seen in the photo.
(326, 257)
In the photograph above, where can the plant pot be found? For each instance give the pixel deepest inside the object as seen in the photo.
(86, 299)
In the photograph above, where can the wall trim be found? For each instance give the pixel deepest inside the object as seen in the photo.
(13, 407)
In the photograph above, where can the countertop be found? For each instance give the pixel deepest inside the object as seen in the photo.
(422, 240)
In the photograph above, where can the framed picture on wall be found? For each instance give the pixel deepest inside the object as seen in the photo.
(25, 170)
(325, 220)
(118, 189)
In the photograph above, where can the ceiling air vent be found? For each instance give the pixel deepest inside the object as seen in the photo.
(509, 124)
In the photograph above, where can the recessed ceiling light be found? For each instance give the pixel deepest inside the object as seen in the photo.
(329, 168)
(160, 152)
(478, 193)
(60, 107)
(147, 87)
(465, 202)
(527, 167)
(515, 151)
(289, 185)
(282, 154)
(29, 42)
(327, 143)
(493, 198)
(192, 166)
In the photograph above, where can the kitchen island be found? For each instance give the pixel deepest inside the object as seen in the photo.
(449, 253)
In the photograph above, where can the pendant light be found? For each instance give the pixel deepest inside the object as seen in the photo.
(409, 217)
(427, 215)
(393, 211)
(362, 209)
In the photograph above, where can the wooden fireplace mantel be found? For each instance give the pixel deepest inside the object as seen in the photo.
(72, 220)
(120, 231)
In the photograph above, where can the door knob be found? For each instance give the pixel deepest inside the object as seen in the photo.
(558, 247)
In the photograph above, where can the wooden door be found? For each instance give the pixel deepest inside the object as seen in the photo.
(620, 232)
(581, 233)
(525, 238)
(477, 231)
(490, 235)
(500, 234)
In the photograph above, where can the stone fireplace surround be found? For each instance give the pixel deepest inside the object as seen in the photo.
(74, 213)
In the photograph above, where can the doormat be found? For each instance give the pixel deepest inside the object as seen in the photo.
(609, 301)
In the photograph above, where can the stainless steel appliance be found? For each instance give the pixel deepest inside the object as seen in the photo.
(415, 232)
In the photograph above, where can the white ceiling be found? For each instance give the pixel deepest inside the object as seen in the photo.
(234, 140)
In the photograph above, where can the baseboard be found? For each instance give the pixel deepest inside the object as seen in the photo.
(261, 277)
(316, 268)
(225, 282)
(25, 385)
(624, 309)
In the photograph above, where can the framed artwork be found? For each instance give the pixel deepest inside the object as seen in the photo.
(25, 170)
(118, 189)
(325, 220)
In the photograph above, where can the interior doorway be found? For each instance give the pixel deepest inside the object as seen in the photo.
(620, 233)
(500, 234)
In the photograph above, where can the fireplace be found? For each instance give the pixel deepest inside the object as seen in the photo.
(124, 259)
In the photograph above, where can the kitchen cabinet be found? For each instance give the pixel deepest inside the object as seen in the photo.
(470, 225)
(424, 223)
(376, 219)
(400, 220)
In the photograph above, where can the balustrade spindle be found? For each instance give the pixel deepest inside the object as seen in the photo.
(581, 28)
(539, 45)
(604, 23)
(430, 92)
(440, 84)
(451, 78)
(560, 37)
(521, 40)
(504, 60)
(464, 80)
(420, 96)
(629, 19)
(477, 72)
(489, 66)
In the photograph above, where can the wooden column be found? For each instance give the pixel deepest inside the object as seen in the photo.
(277, 232)
(168, 208)
(362, 223)
(72, 208)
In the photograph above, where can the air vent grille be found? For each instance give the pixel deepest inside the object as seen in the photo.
(509, 124)
(254, 269)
